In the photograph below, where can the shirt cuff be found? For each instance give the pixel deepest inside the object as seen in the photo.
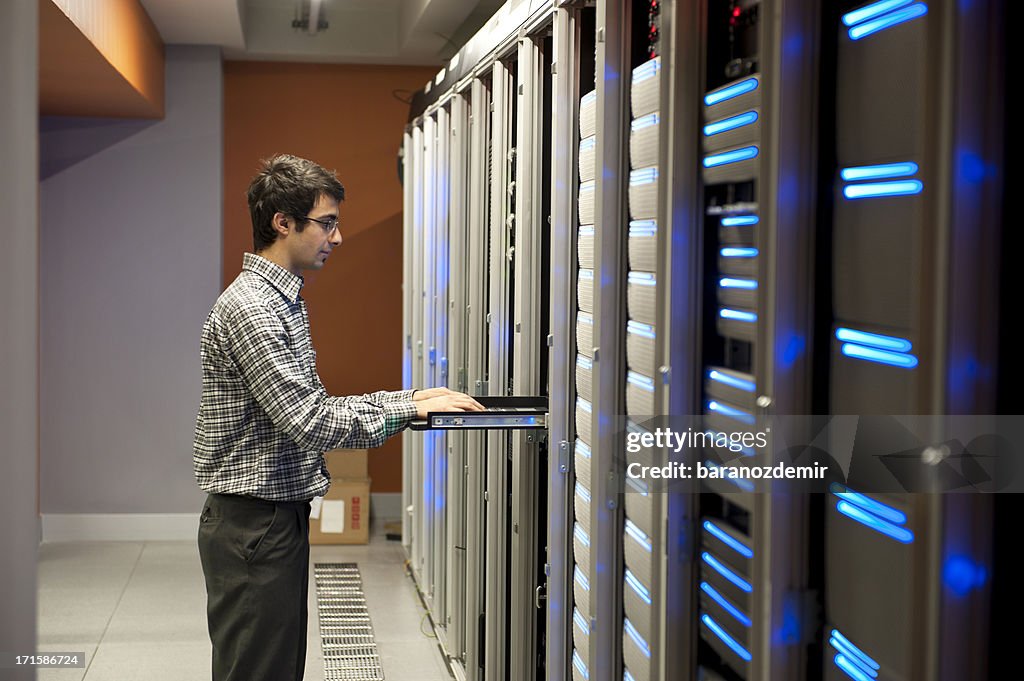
(398, 415)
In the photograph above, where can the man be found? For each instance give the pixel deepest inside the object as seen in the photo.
(264, 421)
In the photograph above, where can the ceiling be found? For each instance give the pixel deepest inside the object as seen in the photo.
(426, 32)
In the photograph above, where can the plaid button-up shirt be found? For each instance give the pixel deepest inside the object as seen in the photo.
(265, 417)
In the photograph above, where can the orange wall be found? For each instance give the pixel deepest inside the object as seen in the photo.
(345, 118)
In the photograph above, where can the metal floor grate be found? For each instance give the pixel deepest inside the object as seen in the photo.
(350, 652)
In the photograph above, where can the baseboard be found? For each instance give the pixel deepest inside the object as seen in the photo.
(63, 527)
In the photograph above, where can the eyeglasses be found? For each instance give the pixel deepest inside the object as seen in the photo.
(329, 225)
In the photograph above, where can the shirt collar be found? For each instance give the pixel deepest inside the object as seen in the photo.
(284, 281)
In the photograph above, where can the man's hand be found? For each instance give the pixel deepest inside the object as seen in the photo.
(427, 393)
(448, 400)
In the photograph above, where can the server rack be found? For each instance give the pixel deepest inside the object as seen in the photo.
(700, 264)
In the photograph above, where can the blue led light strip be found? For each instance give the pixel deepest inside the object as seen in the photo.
(741, 583)
(583, 492)
(728, 640)
(733, 282)
(584, 318)
(643, 228)
(640, 381)
(737, 315)
(727, 157)
(731, 412)
(874, 190)
(641, 279)
(588, 143)
(878, 172)
(581, 534)
(896, 359)
(740, 220)
(645, 71)
(726, 604)
(888, 20)
(643, 176)
(636, 533)
(577, 662)
(852, 652)
(875, 340)
(584, 362)
(868, 504)
(584, 405)
(638, 588)
(637, 638)
(582, 448)
(587, 231)
(626, 676)
(873, 10)
(727, 539)
(734, 252)
(730, 123)
(586, 273)
(639, 486)
(581, 578)
(580, 621)
(735, 90)
(639, 329)
(900, 534)
(731, 381)
(644, 122)
(851, 670)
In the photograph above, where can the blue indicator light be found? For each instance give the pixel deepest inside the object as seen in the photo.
(733, 252)
(643, 228)
(582, 448)
(738, 315)
(728, 640)
(731, 412)
(875, 340)
(859, 657)
(584, 405)
(582, 492)
(588, 143)
(584, 318)
(644, 122)
(581, 534)
(638, 329)
(577, 662)
(854, 672)
(741, 583)
(878, 172)
(740, 220)
(586, 231)
(727, 539)
(642, 278)
(873, 10)
(587, 186)
(731, 381)
(734, 156)
(730, 123)
(744, 484)
(873, 190)
(639, 588)
(889, 20)
(585, 273)
(626, 676)
(637, 638)
(732, 282)
(962, 575)
(735, 90)
(581, 579)
(645, 71)
(896, 359)
(738, 614)
(640, 381)
(900, 534)
(868, 504)
(643, 176)
(639, 486)
(530, 420)
(636, 533)
(584, 362)
(579, 621)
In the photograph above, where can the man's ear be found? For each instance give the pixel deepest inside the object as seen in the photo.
(281, 223)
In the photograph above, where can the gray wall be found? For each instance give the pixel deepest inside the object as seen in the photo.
(19, 331)
(130, 264)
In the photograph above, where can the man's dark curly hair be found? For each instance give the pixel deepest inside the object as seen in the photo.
(290, 185)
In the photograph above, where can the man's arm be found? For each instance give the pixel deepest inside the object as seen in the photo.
(296, 403)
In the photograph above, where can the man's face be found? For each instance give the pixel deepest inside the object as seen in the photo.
(310, 247)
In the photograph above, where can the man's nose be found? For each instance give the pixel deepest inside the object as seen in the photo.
(336, 238)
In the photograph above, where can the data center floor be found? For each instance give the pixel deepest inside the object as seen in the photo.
(138, 611)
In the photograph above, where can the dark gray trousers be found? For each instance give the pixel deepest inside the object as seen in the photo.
(255, 557)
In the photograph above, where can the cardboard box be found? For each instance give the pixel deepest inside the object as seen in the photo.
(346, 464)
(343, 515)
